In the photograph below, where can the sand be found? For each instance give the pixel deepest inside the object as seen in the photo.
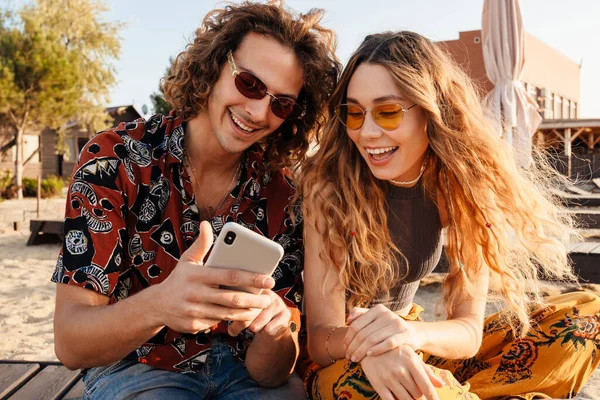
(26, 298)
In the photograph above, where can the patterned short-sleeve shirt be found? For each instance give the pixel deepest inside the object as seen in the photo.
(131, 214)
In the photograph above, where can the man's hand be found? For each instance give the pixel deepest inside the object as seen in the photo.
(271, 320)
(190, 300)
(274, 349)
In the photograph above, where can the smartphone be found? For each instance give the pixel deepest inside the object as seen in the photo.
(238, 247)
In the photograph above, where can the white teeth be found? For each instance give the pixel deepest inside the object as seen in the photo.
(381, 150)
(240, 124)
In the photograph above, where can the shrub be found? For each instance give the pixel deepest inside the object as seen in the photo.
(52, 186)
(7, 189)
(29, 187)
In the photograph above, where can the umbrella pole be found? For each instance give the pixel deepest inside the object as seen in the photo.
(568, 151)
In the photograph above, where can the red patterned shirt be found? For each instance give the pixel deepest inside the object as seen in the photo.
(131, 214)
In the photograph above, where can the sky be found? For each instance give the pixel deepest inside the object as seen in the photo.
(157, 30)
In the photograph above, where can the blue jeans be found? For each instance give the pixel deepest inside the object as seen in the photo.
(222, 377)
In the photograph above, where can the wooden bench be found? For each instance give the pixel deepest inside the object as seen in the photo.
(24, 380)
(586, 260)
(589, 218)
(577, 199)
(584, 255)
(44, 231)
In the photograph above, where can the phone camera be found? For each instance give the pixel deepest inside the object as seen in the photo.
(229, 237)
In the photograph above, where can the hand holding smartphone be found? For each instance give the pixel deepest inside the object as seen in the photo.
(238, 247)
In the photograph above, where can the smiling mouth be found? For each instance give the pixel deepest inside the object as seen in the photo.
(240, 124)
(381, 153)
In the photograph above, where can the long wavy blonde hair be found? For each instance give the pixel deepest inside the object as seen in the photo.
(499, 214)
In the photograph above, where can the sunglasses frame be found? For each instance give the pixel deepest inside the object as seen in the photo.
(235, 74)
(404, 111)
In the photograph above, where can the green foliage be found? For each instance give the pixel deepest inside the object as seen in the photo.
(56, 65)
(6, 179)
(159, 104)
(29, 187)
(52, 186)
(7, 187)
(56, 59)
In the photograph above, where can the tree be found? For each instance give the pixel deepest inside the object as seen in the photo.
(55, 66)
(160, 105)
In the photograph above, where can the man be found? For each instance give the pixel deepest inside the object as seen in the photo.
(134, 301)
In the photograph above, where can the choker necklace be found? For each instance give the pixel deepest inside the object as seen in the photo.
(412, 182)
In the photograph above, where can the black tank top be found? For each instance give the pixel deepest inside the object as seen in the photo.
(415, 227)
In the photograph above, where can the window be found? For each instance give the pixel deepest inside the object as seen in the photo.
(557, 106)
(573, 109)
(566, 111)
(75, 144)
(545, 99)
(72, 156)
(534, 93)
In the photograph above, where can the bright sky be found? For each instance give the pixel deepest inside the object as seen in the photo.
(160, 29)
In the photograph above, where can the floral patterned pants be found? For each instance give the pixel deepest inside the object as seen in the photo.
(553, 360)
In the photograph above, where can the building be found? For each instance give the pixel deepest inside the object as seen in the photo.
(40, 146)
(553, 81)
(549, 76)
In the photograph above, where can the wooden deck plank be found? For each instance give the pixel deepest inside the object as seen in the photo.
(586, 266)
(584, 210)
(595, 250)
(588, 221)
(585, 247)
(573, 246)
(76, 391)
(50, 384)
(13, 376)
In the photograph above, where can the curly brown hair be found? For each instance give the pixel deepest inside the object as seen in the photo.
(195, 71)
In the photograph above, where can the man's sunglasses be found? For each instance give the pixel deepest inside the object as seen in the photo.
(253, 88)
(387, 116)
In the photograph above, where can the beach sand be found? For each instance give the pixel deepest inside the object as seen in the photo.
(27, 295)
(26, 298)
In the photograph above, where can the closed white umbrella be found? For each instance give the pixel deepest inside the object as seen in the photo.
(504, 56)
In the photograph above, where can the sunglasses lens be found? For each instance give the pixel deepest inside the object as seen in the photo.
(388, 116)
(250, 86)
(253, 88)
(351, 116)
(284, 107)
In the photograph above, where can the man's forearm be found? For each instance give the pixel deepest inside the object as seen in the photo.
(271, 360)
(91, 336)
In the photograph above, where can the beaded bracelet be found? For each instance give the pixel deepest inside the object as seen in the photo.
(327, 344)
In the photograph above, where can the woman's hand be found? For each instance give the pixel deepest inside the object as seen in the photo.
(377, 330)
(401, 374)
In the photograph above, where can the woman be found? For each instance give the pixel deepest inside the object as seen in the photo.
(411, 152)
